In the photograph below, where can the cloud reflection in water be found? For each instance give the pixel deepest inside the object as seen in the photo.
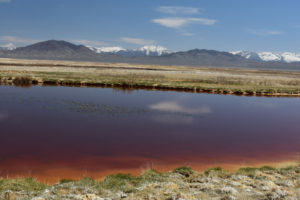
(171, 109)
(172, 106)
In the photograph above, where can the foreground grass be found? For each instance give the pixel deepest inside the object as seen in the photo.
(181, 183)
(224, 81)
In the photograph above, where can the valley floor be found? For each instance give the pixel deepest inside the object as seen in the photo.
(130, 76)
(183, 183)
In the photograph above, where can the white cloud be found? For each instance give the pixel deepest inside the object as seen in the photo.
(91, 42)
(14, 39)
(264, 32)
(177, 10)
(5, 1)
(172, 106)
(188, 34)
(137, 41)
(179, 22)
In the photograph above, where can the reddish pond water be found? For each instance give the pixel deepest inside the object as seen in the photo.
(62, 132)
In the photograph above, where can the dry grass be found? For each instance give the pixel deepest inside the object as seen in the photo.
(215, 183)
(227, 81)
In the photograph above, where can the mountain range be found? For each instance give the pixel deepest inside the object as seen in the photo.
(156, 55)
(287, 57)
(150, 50)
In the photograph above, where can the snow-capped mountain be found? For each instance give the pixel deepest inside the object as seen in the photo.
(106, 49)
(8, 47)
(287, 57)
(247, 54)
(291, 57)
(154, 50)
(143, 51)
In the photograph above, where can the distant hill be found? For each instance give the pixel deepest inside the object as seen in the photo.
(62, 50)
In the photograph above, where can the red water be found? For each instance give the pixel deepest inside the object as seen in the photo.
(55, 133)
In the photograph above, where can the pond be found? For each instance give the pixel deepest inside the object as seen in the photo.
(54, 133)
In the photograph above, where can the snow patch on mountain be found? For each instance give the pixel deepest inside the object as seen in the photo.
(291, 57)
(247, 54)
(150, 50)
(8, 47)
(106, 49)
(269, 56)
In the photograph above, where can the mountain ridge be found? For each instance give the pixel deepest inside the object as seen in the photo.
(62, 50)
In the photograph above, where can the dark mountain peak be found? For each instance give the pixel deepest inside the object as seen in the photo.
(54, 49)
(53, 45)
(204, 54)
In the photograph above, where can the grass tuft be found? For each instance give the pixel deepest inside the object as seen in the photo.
(26, 184)
(217, 171)
(65, 181)
(124, 182)
(185, 171)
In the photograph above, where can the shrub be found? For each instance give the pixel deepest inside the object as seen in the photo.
(217, 171)
(22, 81)
(65, 181)
(27, 184)
(123, 182)
(185, 171)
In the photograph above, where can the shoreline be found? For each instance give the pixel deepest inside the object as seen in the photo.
(54, 174)
(184, 182)
(127, 87)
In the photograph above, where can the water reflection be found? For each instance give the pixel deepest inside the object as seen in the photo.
(176, 107)
(173, 119)
(61, 132)
(178, 112)
(3, 116)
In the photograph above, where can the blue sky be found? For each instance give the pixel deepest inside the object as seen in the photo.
(256, 25)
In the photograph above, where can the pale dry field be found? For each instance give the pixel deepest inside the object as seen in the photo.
(198, 79)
